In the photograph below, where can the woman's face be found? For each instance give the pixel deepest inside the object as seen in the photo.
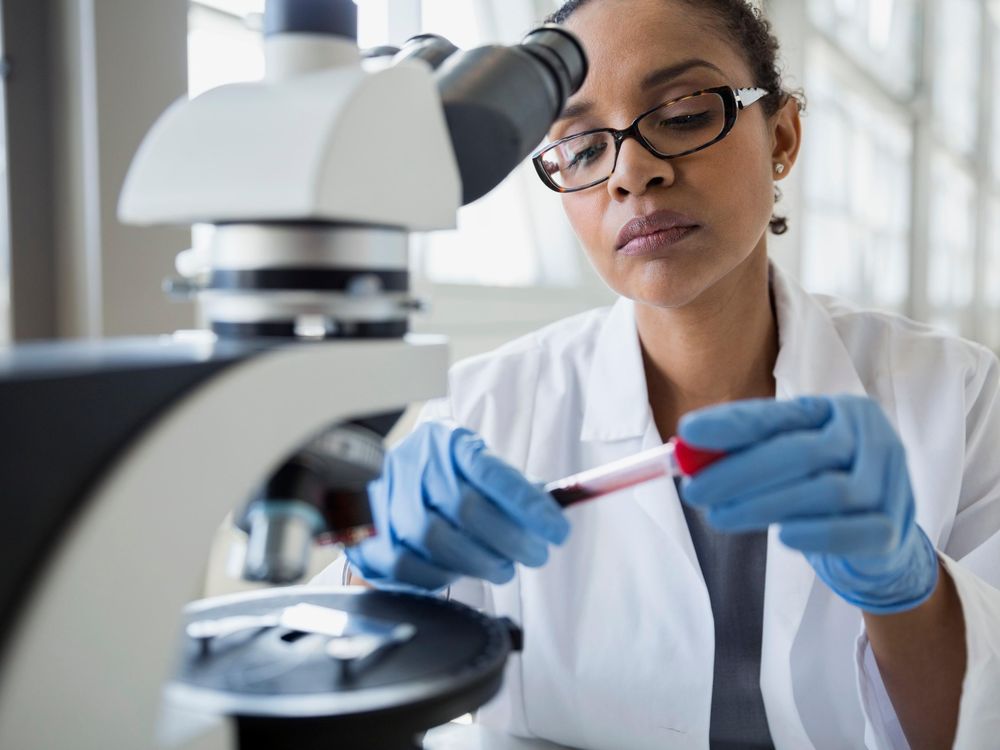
(725, 192)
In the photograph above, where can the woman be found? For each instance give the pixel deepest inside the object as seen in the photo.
(833, 581)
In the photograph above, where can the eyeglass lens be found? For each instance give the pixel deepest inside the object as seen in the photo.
(673, 129)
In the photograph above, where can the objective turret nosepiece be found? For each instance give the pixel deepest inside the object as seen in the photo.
(319, 494)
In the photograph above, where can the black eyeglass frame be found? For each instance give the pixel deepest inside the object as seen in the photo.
(734, 101)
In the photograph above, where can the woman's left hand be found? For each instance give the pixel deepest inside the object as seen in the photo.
(831, 471)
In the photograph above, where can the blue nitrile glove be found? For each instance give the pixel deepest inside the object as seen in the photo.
(832, 472)
(445, 507)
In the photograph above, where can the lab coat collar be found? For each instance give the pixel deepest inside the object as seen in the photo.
(812, 359)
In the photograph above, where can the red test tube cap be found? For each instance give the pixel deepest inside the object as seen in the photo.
(692, 460)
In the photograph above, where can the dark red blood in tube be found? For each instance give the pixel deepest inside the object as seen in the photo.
(576, 494)
(672, 459)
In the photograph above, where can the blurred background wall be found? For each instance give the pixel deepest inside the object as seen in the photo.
(895, 203)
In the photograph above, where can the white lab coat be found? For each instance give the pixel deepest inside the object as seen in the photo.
(618, 635)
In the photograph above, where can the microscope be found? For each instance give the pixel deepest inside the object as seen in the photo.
(121, 457)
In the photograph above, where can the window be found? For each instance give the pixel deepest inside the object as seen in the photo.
(459, 22)
(951, 270)
(957, 84)
(991, 279)
(956, 74)
(224, 44)
(494, 243)
(858, 154)
(995, 85)
(900, 178)
(880, 36)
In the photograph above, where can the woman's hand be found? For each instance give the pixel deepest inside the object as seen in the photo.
(831, 471)
(445, 507)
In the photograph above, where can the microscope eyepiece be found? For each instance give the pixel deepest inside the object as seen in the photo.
(500, 101)
(383, 50)
(431, 48)
(562, 52)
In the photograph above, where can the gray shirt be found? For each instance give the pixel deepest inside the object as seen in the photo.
(733, 566)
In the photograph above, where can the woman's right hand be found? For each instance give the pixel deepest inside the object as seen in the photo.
(445, 507)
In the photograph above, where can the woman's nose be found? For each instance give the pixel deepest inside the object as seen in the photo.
(638, 170)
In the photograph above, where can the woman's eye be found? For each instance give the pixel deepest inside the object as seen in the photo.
(589, 154)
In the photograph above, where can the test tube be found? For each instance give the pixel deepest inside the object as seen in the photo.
(672, 459)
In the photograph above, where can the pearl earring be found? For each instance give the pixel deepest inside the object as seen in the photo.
(779, 168)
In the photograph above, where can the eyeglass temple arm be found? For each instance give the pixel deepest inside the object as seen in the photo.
(746, 97)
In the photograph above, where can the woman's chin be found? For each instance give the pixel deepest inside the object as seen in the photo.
(667, 292)
(678, 284)
(657, 298)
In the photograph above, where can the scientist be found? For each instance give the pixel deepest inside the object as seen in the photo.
(831, 583)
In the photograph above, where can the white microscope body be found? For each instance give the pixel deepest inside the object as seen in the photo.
(313, 177)
(320, 139)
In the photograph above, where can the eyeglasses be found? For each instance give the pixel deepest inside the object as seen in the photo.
(668, 131)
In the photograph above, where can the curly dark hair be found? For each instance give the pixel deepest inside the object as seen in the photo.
(752, 33)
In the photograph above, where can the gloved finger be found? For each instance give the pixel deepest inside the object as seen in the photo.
(438, 541)
(484, 522)
(378, 562)
(826, 495)
(481, 518)
(528, 505)
(861, 534)
(782, 460)
(737, 425)
(882, 462)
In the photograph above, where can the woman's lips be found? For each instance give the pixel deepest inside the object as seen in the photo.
(650, 243)
(654, 231)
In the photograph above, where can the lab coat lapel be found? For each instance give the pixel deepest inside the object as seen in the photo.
(616, 410)
(616, 404)
(812, 359)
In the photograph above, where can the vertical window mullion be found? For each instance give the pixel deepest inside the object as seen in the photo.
(918, 307)
(984, 168)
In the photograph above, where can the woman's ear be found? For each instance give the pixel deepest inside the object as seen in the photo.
(786, 138)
